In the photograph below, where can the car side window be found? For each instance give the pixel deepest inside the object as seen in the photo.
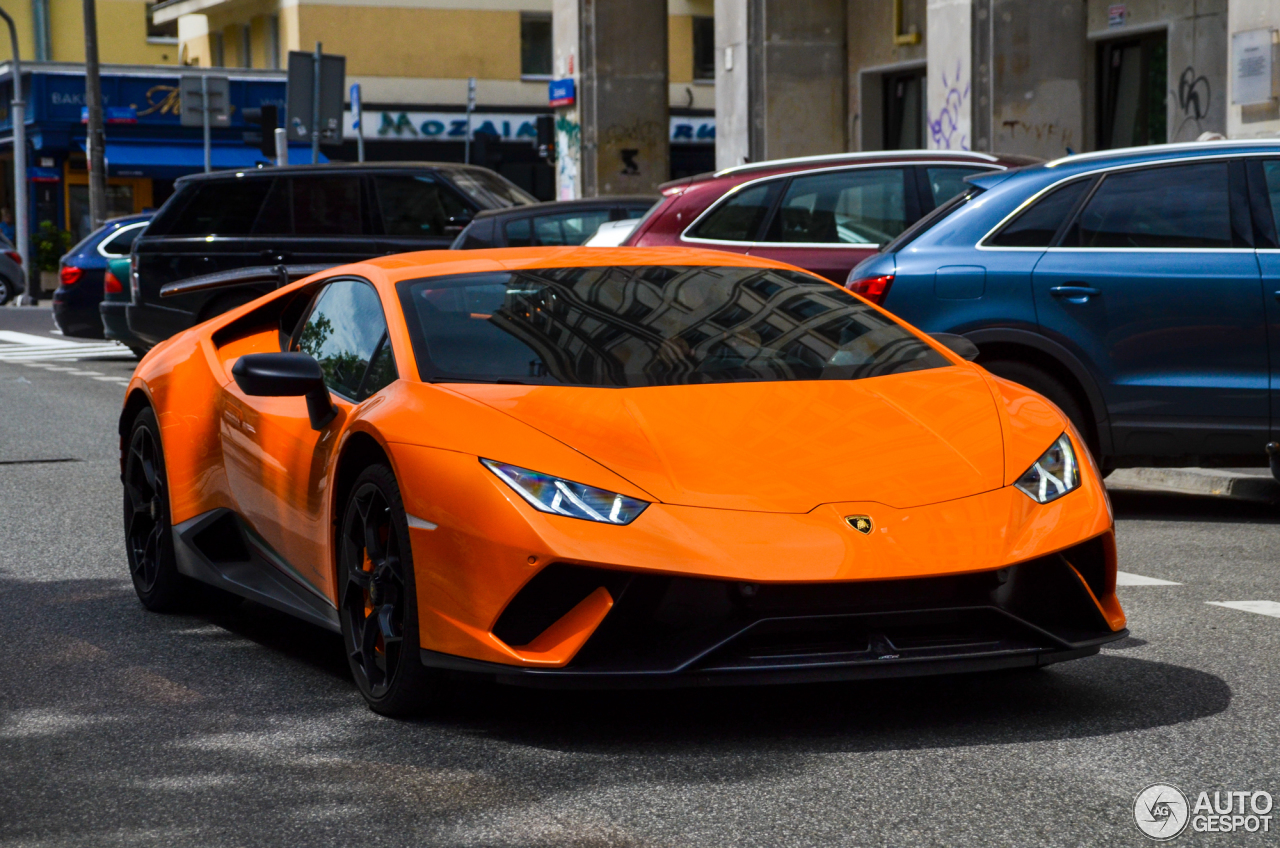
(1171, 206)
(217, 208)
(328, 205)
(945, 182)
(1038, 224)
(568, 228)
(1271, 168)
(866, 206)
(346, 332)
(419, 205)
(740, 216)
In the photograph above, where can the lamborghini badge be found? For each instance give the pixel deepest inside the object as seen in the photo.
(861, 523)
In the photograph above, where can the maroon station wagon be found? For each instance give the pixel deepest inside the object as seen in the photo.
(822, 213)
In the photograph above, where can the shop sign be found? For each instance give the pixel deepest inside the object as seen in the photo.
(112, 115)
(561, 92)
(693, 130)
(441, 126)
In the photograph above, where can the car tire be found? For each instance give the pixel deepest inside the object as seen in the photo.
(1051, 387)
(6, 291)
(148, 528)
(377, 600)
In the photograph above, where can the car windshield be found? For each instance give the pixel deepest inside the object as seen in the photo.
(489, 190)
(650, 326)
(929, 221)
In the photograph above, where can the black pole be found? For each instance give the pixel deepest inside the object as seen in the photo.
(96, 140)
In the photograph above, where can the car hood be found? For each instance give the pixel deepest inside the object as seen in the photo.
(902, 440)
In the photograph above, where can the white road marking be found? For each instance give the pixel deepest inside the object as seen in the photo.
(86, 373)
(1124, 578)
(1270, 608)
(13, 337)
(112, 380)
(23, 347)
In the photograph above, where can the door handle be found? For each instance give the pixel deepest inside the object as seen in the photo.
(1074, 294)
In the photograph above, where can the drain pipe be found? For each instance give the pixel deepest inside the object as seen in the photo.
(40, 23)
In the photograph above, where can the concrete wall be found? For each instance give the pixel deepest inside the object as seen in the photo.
(949, 94)
(1041, 71)
(733, 111)
(1197, 69)
(1258, 119)
(872, 53)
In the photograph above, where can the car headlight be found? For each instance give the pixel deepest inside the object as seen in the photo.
(1054, 474)
(564, 497)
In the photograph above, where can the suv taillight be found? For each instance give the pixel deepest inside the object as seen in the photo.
(14, 255)
(873, 289)
(111, 284)
(70, 275)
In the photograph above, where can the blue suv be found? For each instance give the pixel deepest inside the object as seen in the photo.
(1138, 289)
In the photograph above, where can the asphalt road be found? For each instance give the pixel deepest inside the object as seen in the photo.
(121, 727)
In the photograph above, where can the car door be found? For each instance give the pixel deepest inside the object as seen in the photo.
(1156, 288)
(830, 220)
(1264, 189)
(418, 212)
(277, 466)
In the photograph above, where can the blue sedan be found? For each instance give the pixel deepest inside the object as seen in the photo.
(1138, 289)
(81, 272)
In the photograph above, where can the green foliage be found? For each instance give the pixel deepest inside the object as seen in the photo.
(50, 244)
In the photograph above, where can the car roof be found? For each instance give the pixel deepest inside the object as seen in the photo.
(330, 167)
(1161, 152)
(868, 157)
(569, 205)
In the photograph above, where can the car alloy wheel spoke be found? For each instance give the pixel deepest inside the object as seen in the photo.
(387, 625)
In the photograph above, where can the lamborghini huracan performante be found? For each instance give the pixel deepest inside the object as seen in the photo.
(612, 467)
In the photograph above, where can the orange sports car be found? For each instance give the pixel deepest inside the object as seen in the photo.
(619, 467)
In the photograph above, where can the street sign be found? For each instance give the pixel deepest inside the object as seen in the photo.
(192, 91)
(302, 80)
(560, 92)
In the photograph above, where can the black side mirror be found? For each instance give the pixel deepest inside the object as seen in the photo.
(958, 345)
(286, 375)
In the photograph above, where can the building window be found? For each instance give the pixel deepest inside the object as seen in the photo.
(535, 45)
(217, 50)
(704, 48)
(273, 42)
(246, 48)
(167, 32)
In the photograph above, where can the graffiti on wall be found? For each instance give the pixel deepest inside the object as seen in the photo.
(946, 130)
(1041, 131)
(568, 147)
(1193, 96)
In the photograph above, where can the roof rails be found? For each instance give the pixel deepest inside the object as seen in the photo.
(1160, 148)
(867, 154)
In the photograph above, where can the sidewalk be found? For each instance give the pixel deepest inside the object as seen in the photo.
(1246, 484)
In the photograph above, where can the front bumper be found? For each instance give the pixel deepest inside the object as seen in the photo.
(666, 631)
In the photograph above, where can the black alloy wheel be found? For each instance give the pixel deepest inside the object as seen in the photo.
(378, 608)
(148, 532)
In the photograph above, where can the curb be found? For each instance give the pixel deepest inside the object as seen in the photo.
(1258, 486)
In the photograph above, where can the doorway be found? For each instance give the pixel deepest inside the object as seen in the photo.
(1133, 91)
(904, 110)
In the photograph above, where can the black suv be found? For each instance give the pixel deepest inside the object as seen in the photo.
(295, 220)
(559, 222)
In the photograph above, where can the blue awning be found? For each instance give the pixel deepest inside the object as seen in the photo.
(171, 158)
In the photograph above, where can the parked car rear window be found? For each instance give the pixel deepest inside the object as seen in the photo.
(945, 182)
(569, 228)
(865, 206)
(489, 190)
(121, 241)
(419, 205)
(931, 220)
(616, 327)
(1039, 223)
(740, 216)
(222, 207)
(1172, 206)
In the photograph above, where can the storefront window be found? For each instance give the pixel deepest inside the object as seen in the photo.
(119, 202)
